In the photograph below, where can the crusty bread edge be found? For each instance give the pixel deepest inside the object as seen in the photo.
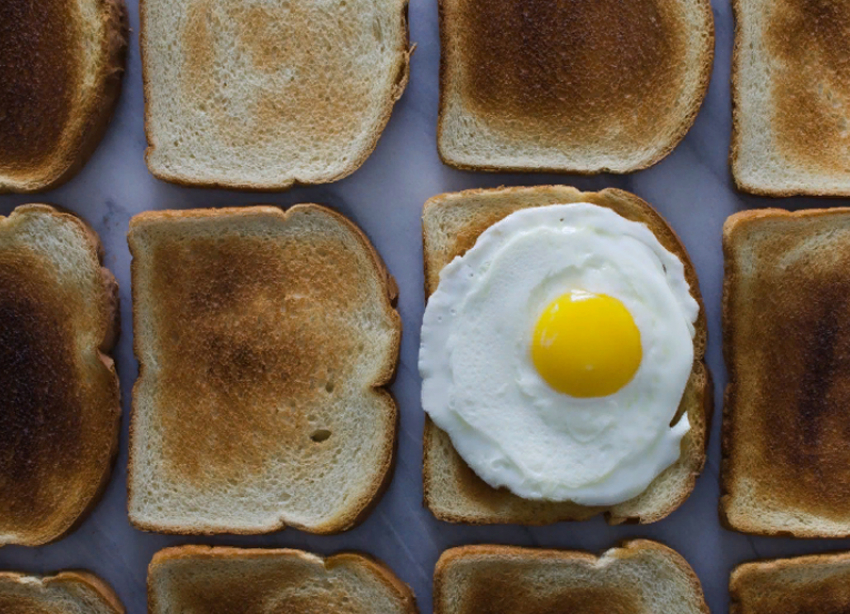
(699, 362)
(402, 78)
(730, 275)
(624, 550)
(380, 386)
(112, 330)
(104, 591)
(97, 114)
(377, 567)
(662, 152)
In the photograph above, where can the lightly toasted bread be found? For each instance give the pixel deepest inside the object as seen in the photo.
(60, 406)
(61, 64)
(266, 95)
(582, 87)
(814, 583)
(69, 592)
(453, 492)
(791, 98)
(639, 577)
(226, 580)
(786, 464)
(265, 339)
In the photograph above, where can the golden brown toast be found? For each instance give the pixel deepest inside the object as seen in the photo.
(583, 86)
(59, 407)
(253, 581)
(791, 97)
(786, 464)
(265, 339)
(817, 583)
(640, 577)
(61, 64)
(69, 592)
(453, 492)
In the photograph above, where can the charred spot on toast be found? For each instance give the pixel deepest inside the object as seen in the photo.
(560, 71)
(39, 71)
(808, 41)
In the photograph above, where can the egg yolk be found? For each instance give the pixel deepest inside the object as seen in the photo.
(586, 345)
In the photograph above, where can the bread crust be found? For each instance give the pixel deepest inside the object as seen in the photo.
(498, 506)
(89, 120)
(101, 589)
(704, 69)
(357, 511)
(402, 78)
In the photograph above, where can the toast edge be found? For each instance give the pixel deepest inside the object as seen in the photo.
(104, 591)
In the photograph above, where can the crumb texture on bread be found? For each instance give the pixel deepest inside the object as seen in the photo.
(453, 492)
(59, 407)
(791, 97)
(264, 340)
(801, 585)
(577, 86)
(267, 93)
(786, 463)
(61, 63)
(69, 592)
(203, 580)
(641, 577)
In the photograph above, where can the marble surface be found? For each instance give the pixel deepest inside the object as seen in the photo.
(692, 188)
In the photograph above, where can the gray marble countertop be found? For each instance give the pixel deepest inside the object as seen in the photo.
(692, 188)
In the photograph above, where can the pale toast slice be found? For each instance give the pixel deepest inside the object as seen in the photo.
(639, 577)
(59, 406)
(254, 581)
(265, 340)
(61, 65)
(451, 224)
(786, 464)
(69, 592)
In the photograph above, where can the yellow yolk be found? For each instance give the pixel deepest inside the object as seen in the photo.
(586, 345)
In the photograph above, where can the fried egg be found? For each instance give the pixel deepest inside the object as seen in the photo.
(555, 353)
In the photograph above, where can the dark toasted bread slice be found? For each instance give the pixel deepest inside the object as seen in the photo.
(451, 224)
(227, 580)
(640, 577)
(265, 339)
(786, 464)
(266, 95)
(584, 86)
(61, 64)
(69, 592)
(791, 97)
(816, 583)
(59, 405)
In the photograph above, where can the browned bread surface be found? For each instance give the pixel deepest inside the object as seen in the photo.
(265, 339)
(61, 64)
(641, 577)
(791, 98)
(59, 407)
(453, 492)
(818, 583)
(575, 86)
(204, 580)
(786, 464)
(69, 592)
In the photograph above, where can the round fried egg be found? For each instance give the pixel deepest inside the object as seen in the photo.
(555, 353)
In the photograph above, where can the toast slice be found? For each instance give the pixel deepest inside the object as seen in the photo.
(226, 580)
(60, 405)
(791, 98)
(69, 592)
(816, 583)
(640, 577)
(453, 492)
(582, 87)
(61, 64)
(786, 465)
(265, 95)
(265, 339)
